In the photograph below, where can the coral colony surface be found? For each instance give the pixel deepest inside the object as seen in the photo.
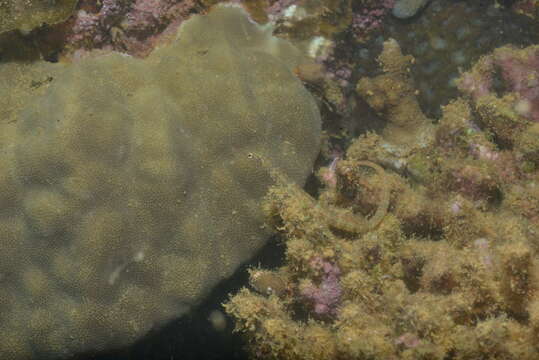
(150, 148)
(130, 187)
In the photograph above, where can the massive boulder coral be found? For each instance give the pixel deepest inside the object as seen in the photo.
(28, 14)
(130, 187)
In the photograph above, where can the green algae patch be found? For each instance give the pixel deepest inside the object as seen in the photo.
(131, 187)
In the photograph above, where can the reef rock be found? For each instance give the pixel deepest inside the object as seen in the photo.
(28, 14)
(405, 9)
(129, 188)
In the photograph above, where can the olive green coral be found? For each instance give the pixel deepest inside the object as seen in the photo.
(129, 187)
(28, 14)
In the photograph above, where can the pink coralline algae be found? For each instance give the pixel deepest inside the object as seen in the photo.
(483, 247)
(132, 27)
(526, 7)
(276, 9)
(326, 296)
(522, 75)
(408, 340)
(329, 177)
(370, 17)
(473, 182)
(484, 152)
(518, 69)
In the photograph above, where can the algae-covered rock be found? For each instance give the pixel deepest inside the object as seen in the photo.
(405, 9)
(130, 187)
(28, 14)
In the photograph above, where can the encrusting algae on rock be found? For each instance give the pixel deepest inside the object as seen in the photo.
(393, 97)
(450, 272)
(335, 217)
(128, 188)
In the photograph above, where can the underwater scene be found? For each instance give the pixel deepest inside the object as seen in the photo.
(269, 179)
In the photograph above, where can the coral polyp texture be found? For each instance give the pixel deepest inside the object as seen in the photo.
(27, 14)
(450, 267)
(129, 188)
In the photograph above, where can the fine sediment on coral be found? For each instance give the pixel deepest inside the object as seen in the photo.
(129, 188)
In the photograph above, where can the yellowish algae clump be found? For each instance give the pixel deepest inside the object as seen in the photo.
(130, 187)
(450, 267)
